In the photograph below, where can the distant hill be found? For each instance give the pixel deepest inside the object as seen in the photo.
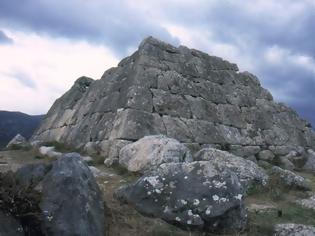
(12, 123)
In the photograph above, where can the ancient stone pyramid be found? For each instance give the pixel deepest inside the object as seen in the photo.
(183, 93)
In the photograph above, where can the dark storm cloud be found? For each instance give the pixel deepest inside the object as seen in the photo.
(294, 86)
(113, 23)
(4, 39)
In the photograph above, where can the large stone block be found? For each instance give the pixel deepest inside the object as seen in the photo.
(132, 124)
(170, 104)
(202, 109)
(177, 128)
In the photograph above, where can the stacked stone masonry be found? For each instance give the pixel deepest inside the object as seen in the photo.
(183, 93)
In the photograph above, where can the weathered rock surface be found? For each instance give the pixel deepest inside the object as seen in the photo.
(79, 209)
(182, 93)
(308, 202)
(294, 230)
(63, 198)
(195, 195)
(18, 142)
(248, 172)
(290, 179)
(310, 164)
(151, 151)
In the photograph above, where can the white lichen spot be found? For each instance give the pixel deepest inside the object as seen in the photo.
(189, 222)
(50, 218)
(239, 197)
(215, 197)
(208, 211)
(184, 202)
(152, 180)
(218, 184)
(196, 202)
(186, 177)
(190, 213)
(166, 209)
(158, 191)
(172, 184)
(149, 193)
(223, 199)
(177, 219)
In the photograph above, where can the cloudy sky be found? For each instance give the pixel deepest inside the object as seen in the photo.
(46, 44)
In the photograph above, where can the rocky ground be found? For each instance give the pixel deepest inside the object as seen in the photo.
(267, 206)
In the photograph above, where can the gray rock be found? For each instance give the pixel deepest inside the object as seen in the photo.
(214, 202)
(290, 179)
(76, 208)
(294, 230)
(114, 147)
(285, 163)
(280, 150)
(10, 226)
(32, 174)
(179, 92)
(266, 155)
(18, 142)
(310, 163)
(96, 172)
(248, 172)
(244, 151)
(135, 124)
(308, 202)
(91, 148)
(151, 151)
(264, 164)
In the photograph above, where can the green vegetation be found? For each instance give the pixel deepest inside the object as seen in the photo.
(61, 147)
(282, 198)
(262, 224)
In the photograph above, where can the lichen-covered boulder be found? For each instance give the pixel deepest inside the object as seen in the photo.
(18, 142)
(294, 230)
(59, 198)
(248, 172)
(290, 179)
(193, 196)
(152, 151)
(71, 199)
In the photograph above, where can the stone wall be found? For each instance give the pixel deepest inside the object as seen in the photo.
(183, 93)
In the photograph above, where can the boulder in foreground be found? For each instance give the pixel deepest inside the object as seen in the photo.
(192, 196)
(61, 198)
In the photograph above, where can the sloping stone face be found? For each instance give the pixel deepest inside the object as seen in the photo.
(179, 92)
